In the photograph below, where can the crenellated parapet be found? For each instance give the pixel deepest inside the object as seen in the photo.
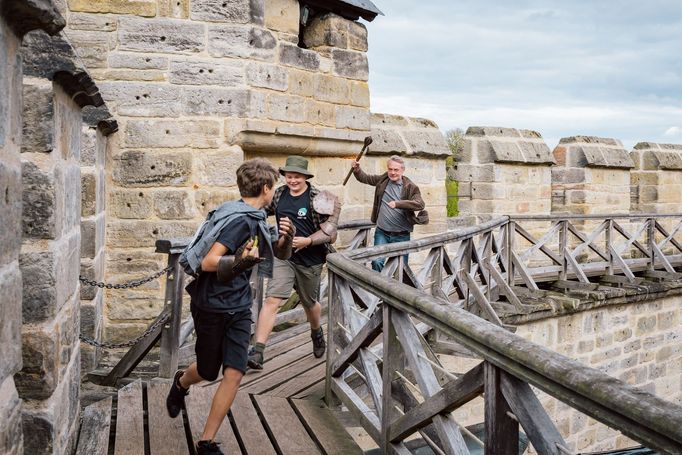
(502, 171)
(656, 179)
(592, 176)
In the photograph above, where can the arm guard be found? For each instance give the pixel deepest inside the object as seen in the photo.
(229, 266)
(328, 204)
(282, 248)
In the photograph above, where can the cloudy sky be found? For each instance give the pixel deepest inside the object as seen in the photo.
(610, 68)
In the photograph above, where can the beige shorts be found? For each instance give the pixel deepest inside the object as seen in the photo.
(286, 275)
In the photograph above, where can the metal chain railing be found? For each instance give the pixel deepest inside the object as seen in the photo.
(126, 344)
(130, 284)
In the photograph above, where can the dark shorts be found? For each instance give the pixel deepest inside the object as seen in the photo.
(222, 341)
(286, 275)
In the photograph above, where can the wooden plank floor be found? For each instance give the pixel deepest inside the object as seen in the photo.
(278, 410)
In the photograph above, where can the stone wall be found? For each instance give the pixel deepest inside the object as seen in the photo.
(656, 180)
(55, 89)
(16, 19)
(503, 171)
(592, 176)
(638, 343)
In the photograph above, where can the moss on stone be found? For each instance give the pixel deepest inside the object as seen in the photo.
(451, 188)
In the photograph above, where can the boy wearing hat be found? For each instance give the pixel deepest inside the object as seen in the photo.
(314, 214)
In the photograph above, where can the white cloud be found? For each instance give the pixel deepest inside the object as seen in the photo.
(673, 131)
(559, 68)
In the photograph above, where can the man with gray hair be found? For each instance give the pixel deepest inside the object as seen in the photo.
(396, 199)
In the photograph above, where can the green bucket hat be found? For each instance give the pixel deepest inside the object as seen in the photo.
(296, 163)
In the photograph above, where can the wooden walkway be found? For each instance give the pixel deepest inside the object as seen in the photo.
(278, 410)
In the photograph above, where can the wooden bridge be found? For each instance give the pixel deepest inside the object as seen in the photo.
(382, 329)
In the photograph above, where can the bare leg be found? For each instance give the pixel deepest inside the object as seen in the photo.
(313, 315)
(190, 376)
(222, 400)
(266, 319)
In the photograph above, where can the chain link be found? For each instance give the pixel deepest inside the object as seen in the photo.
(131, 284)
(127, 344)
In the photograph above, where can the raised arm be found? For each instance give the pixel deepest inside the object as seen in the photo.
(362, 177)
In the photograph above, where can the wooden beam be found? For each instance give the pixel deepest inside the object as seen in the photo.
(94, 433)
(364, 338)
(453, 395)
(501, 431)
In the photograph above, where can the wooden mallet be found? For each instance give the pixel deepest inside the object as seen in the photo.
(368, 140)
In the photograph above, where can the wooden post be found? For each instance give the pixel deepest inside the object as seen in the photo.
(391, 363)
(563, 243)
(651, 239)
(509, 247)
(608, 239)
(170, 336)
(501, 431)
(334, 317)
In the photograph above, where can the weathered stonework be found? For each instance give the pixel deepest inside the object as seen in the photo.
(656, 180)
(16, 19)
(592, 176)
(503, 171)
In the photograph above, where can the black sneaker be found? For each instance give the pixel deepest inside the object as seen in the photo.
(208, 448)
(175, 401)
(255, 361)
(319, 345)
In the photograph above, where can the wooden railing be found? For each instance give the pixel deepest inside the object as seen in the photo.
(376, 322)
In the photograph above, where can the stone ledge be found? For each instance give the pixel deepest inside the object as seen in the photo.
(53, 58)
(411, 136)
(25, 15)
(100, 117)
(508, 145)
(590, 151)
(652, 156)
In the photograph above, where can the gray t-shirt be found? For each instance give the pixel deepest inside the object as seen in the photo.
(392, 220)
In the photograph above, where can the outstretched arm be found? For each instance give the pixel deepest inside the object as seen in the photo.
(282, 247)
(362, 177)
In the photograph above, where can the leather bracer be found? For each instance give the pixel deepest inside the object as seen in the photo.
(230, 266)
(328, 229)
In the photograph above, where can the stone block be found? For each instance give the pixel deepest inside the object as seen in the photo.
(387, 141)
(355, 118)
(134, 7)
(130, 204)
(12, 441)
(160, 35)
(240, 41)
(267, 76)
(427, 142)
(492, 131)
(206, 72)
(536, 153)
(173, 205)
(222, 102)
(357, 36)
(40, 373)
(137, 61)
(282, 15)
(286, 108)
(143, 234)
(88, 193)
(134, 99)
(134, 263)
(320, 113)
(207, 200)
(139, 168)
(218, 168)
(331, 89)
(359, 94)
(88, 146)
(10, 319)
(233, 11)
(91, 46)
(350, 64)
(568, 175)
(133, 308)
(172, 134)
(328, 30)
(92, 22)
(92, 269)
(507, 152)
(301, 83)
(178, 9)
(10, 207)
(292, 55)
(39, 217)
(92, 236)
(38, 118)
(474, 173)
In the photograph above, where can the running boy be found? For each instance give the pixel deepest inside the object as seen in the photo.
(234, 238)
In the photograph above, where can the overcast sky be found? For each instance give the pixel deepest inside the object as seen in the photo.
(593, 67)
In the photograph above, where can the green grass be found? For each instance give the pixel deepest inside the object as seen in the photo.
(451, 188)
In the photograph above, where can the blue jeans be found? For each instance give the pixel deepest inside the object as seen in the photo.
(382, 238)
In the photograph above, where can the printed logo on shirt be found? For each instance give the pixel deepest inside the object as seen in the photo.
(302, 212)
